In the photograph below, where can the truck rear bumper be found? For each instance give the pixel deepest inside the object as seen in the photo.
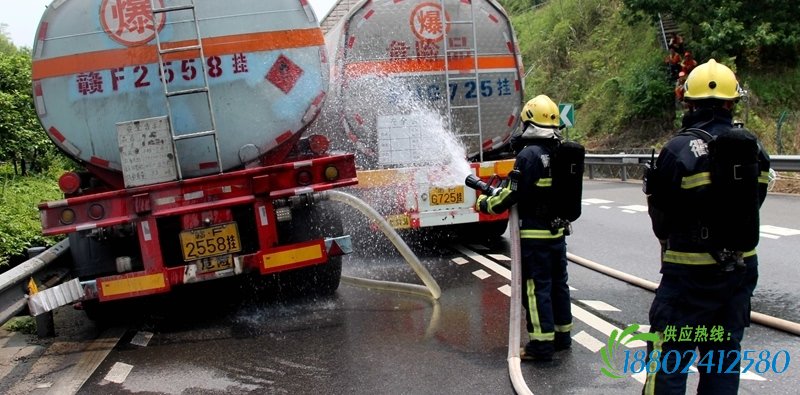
(142, 283)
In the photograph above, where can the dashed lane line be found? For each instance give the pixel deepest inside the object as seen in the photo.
(488, 263)
(599, 305)
(779, 231)
(577, 312)
(118, 373)
(481, 274)
(588, 341)
(459, 261)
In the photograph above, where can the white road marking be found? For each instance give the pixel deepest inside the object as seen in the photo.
(498, 257)
(640, 377)
(481, 274)
(644, 328)
(600, 324)
(588, 341)
(142, 338)
(769, 236)
(479, 247)
(635, 207)
(605, 207)
(489, 264)
(459, 261)
(506, 290)
(750, 376)
(597, 201)
(118, 373)
(776, 230)
(599, 305)
(629, 211)
(571, 288)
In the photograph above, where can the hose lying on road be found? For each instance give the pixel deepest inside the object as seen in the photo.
(432, 287)
(758, 318)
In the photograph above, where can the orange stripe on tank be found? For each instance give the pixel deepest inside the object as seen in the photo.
(423, 65)
(212, 46)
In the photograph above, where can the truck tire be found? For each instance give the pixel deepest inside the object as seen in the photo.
(308, 223)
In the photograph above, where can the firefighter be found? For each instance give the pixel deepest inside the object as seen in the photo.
(545, 294)
(704, 287)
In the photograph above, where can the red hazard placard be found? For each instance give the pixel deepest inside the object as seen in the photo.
(130, 22)
(428, 22)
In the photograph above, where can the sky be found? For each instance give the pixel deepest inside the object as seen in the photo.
(22, 17)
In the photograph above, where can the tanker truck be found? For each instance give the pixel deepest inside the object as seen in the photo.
(418, 87)
(191, 120)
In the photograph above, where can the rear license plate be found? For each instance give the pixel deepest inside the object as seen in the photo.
(212, 241)
(400, 221)
(214, 264)
(442, 196)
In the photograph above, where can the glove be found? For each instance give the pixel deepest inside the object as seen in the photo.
(482, 204)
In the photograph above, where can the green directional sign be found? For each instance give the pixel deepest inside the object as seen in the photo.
(567, 113)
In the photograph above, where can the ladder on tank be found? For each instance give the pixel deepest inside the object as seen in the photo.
(202, 90)
(455, 76)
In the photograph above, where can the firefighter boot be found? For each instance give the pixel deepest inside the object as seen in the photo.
(563, 341)
(538, 350)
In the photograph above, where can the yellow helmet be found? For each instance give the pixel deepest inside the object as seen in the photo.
(711, 80)
(541, 111)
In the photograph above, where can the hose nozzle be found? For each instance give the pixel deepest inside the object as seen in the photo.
(475, 183)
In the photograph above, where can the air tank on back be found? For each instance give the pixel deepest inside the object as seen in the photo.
(389, 60)
(96, 65)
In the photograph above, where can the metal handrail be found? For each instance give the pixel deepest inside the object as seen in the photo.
(12, 282)
(787, 163)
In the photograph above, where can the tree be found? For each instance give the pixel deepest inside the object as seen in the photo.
(22, 140)
(755, 32)
(6, 45)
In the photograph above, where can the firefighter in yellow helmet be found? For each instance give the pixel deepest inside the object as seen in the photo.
(545, 295)
(704, 194)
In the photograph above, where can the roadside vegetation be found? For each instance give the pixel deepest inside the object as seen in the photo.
(603, 56)
(29, 164)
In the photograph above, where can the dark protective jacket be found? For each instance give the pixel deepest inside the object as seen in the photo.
(533, 192)
(681, 192)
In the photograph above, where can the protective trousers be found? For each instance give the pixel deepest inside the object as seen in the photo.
(545, 293)
(685, 313)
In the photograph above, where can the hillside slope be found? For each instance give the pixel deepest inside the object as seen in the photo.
(610, 65)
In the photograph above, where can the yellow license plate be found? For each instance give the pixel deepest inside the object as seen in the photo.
(400, 221)
(212, 241)
(214, 264)
(442, 196)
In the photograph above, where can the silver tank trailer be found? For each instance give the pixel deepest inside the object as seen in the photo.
(389, 59)
(95, 65)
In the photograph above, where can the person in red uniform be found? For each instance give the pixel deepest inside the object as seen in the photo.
(688, 63)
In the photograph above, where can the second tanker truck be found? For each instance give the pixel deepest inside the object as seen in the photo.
(418, 89)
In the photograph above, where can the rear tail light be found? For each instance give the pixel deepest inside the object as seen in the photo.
(67, 216)
(318, 144)
(331, 173)
(96, 211)
(304, 177)
(69, 182)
